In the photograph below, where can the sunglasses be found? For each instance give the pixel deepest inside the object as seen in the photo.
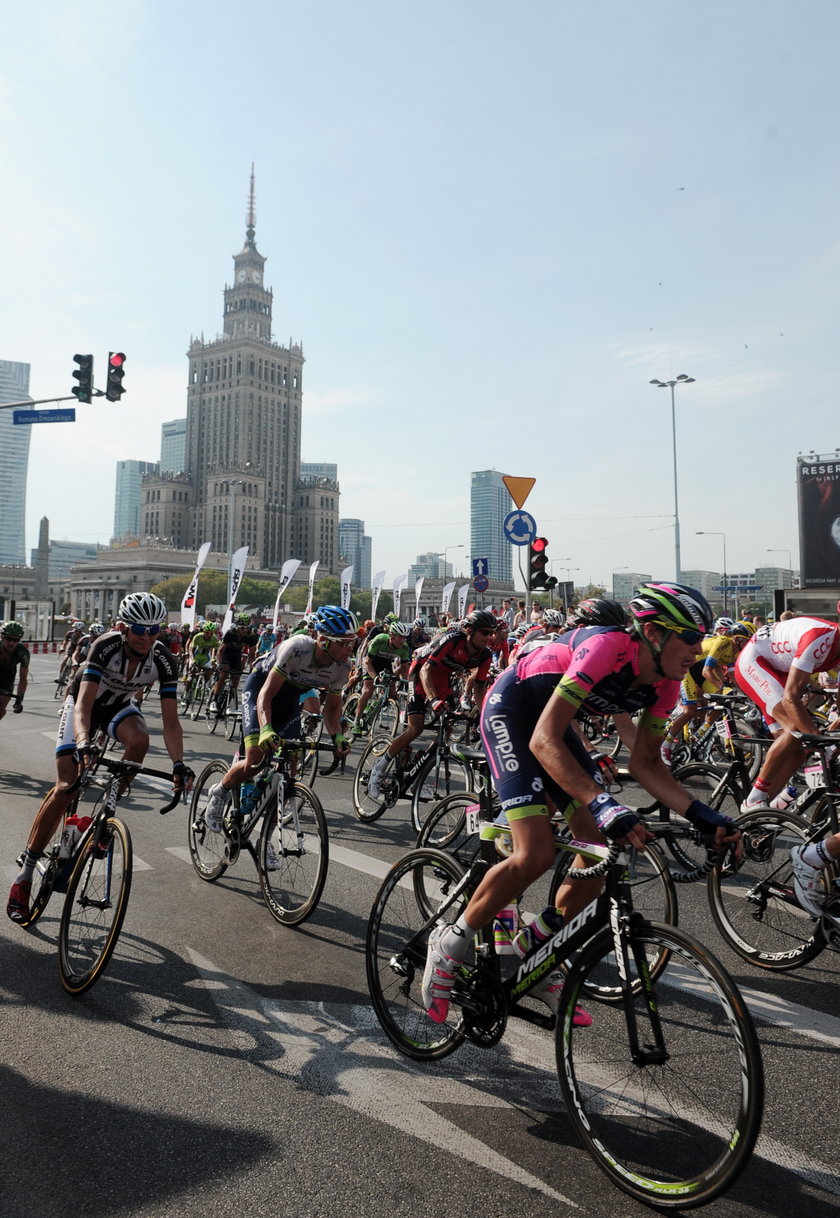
(345, 642)
(689, 637)
(144, 629)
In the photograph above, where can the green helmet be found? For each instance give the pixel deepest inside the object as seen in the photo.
(12, 630)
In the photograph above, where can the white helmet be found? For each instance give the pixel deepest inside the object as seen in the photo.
(142, 609)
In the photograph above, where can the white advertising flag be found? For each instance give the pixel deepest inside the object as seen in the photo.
(376, 588)
(287, 573)
(188, 603)
(346, 578)
(447, 597)
(418, 588)
(399, 584)
(462, 599)
(237, 570)
(311, 597)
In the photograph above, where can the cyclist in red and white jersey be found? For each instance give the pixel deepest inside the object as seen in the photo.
(774, 669)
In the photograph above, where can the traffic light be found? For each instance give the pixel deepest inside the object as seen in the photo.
(84, 375)
(116, 368)
(538, 561)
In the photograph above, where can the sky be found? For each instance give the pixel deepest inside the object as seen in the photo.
(489, 225)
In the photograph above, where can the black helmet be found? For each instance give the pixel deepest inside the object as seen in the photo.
(598, 611)
(480, 619)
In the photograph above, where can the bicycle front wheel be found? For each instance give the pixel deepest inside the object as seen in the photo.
(754, 902)
(446, 828)
(234, 715)
(208, 851)
(713, 786)
(199, 693)
(675, 1122)
(386, 721)
(395, 952)
(94, 908)
(370, 807)
(293, 856)
(439, 777)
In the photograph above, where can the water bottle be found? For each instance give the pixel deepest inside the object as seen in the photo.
(505, 927)
(543, 927)
(74, 827)
(252, 793)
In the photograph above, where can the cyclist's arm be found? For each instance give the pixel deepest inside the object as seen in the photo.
(791, 712)
(647, 767)
(173, 735)
(331, 712)
(23, 680)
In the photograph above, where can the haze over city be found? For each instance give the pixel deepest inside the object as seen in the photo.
(490, 229)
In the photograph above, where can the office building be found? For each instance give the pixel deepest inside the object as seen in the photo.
(490, 503)
(14, 461)
(355, 549)
(319, 469)
(625, 583)
(173, 446)
(128, 494)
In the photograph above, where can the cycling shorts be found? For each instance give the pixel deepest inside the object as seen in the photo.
(65, 744)
(520, 781)
(762, 683)
(285, 710)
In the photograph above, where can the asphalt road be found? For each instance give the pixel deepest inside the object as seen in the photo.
(227, 1064)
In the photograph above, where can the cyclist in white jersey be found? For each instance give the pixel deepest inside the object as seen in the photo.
(774, 670)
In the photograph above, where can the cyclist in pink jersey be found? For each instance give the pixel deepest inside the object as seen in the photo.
(538, 763)
(774, 669)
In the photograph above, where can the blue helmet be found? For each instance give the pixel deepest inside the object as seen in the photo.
(336, 622)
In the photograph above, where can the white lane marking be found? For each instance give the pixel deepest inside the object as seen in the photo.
(337, 1061)
(342, 1056)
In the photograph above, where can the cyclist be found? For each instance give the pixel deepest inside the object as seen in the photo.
(229, 657)
(707, 675)
(464, 649)
(384, 652)
(535, 756)
(202, 648)
(271, 698)
(13, 657)
(774, 669)
(119, 664)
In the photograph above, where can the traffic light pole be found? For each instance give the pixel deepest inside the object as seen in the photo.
(97, 393)
(526, 579)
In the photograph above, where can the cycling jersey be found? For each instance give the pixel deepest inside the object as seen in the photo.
(381, 652)
(718, 651)
(294, 659)
(597, 667)
(447, 654)
(9, 665)
(809, 644)
(230, 652)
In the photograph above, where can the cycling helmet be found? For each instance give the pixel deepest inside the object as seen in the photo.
(598, 611)
(743, 630)
(420, 623)
(96, 629)
(208, 628)
(522, 630)
(673, 606)
(724, 625)
(12, 630)
(480, 619)
(244, 619)
(142, 609)
(553, 617)
(336, 622)
(402, 629)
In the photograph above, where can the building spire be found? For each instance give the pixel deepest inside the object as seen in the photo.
(251, 218)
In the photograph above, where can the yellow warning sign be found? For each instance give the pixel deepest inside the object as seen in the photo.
(520, 488)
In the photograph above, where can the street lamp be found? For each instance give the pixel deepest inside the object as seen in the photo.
(566, 598)
(712, 533)
(445, 551)
(682, 379)
(612, 578)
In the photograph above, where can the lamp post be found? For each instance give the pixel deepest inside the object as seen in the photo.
(566, 599)
(445, 551)
(712, 533)
(682, 379)
(612, 579)
(552, 564)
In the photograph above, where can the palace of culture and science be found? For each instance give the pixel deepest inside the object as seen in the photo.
(242, 482)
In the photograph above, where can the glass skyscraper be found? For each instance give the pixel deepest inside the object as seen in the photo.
(127, 498)
(490, 502)
(14, 460)
(173, 446)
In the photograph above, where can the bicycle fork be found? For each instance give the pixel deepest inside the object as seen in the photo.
(625, 947)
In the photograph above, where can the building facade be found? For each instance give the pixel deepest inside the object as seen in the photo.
(355, 549)
(127, 497)
(173, 446)
(625, 583)
(490, 503)
(14, 462)
(319, 469)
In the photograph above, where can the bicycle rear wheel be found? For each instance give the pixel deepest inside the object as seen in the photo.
(395, 953)
(711, 785)
(214, 717)
(234, 715)
(366, 806)
(94, 908)
(208, 851)
(754, 902)
(677, 1126)
(293, 856)
(199, 693)
(386, 721)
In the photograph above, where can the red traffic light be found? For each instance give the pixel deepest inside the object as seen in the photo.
(539, 544)
(116, 359)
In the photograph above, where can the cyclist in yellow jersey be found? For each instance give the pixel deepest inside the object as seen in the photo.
(707, 676)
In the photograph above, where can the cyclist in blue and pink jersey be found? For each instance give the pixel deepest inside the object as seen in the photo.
(538, 763)
(774, 669)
